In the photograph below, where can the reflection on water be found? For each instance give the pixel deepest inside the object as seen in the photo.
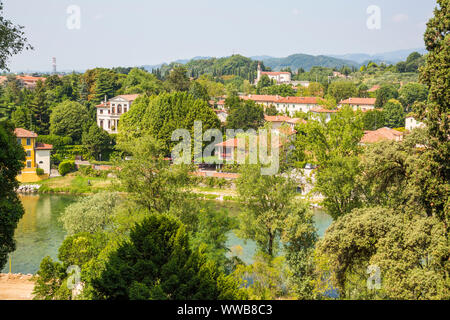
(39, 232)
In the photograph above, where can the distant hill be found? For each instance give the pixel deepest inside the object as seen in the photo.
(386, 57)
(306, 62)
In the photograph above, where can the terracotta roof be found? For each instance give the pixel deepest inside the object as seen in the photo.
(359, 101)
(276, 118)
(279, 99)
(22, 133)
(43, 146)
(228, 143)
(103, 105)
(381, 135)
(274, 73)
(374, 88)
(219, 111)
(129, 97)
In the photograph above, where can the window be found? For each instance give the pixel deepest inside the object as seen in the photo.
(119, 109)
(19, 141)
(28, 153)
(101, 111)
(101, 124)
(113, 110)
(28, 164)
(109, 124)
(28, 142)
(41, 162)
(124, 109)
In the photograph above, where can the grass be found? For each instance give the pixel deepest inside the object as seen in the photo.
(75, 184)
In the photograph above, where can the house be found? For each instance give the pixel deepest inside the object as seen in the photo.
(363, 104)
(109, 112)
(317, 112)
(221, 114)
(37, 156)
(287, 105)
(279, 77)
(27, 81)
(374, 88)
(411, 123)
(381, 134)
(228, 150)
(280, 121)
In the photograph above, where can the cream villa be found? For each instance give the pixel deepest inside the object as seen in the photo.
(109, 112)
(363, 104)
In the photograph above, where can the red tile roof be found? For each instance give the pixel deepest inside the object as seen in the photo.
(43, 146)
(129, 97)
(279, 99)
(359, 101)
(374, 88)
(381, 135)
(22, 133)
(276, 118)
(274, 73)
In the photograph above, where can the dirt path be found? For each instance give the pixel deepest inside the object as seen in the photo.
(16, 287)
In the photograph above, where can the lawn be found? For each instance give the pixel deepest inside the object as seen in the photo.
(75, 184)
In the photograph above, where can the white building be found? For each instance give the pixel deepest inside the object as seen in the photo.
(363, 104)
(411, 123)
(109, 112)
(286, 105)
(279, 77)
(318, 112)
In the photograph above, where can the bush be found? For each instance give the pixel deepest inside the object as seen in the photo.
(56, 141)
(66, 166)
(39, 171)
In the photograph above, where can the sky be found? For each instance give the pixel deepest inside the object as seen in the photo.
(83, 34)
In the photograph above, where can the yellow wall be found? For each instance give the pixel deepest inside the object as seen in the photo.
(29, 174)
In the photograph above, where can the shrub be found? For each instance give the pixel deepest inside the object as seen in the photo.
(56, 141)
(39, 171)
(66, 166)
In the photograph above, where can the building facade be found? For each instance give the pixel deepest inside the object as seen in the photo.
(285, 105)
(109, 112)
(411, 123)
(37, 156)
(278, 77)
(363, 104)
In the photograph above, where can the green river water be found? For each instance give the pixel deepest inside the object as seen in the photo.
(40, 233)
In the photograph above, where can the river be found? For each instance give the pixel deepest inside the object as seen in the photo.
(39, 232)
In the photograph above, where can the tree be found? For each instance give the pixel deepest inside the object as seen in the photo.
(198, 91)
(157, 263)
(69, 118)
(243, 114)
(141, 81)
(90, 214)
(12, 157)
(263, 82)
(95, 140)
(411, 93)
(384, 94)
(150, 180)
(334, 147)
(12, 40)
(363, 90)
(40, 110)
(268, 202)
(394, 115)
(161, 115)
(341, 90)
(178, 79)
(404, 249)
(373, 119)
(105, 85)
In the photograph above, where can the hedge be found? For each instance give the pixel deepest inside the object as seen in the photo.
(66, 166)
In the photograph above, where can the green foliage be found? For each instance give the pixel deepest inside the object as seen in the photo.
(160, 115)
(56, 141)
(69, 119)
(373, 119)
(66, 167)
(283, 90)
(90, 214)
(243, 114)
(178, 79)
(394, 114)
(95, 140)
(39, 171)
(140, 81)
(198, 91)
(384, 94)
(12, 157)
(341, 90)
(157, 263)
(412, 63)
(334, 147)
(411, 93)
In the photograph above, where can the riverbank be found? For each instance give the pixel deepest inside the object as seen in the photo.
(16, 286)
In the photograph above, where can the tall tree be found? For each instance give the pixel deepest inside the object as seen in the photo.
(95, 140)
(394, 115)
(69, 118)
(178, 79)
(12, 157)
(40, 110)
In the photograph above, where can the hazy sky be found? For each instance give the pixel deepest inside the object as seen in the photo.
(138, 32)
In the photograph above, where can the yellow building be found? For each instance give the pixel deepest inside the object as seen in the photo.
(38, 156)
